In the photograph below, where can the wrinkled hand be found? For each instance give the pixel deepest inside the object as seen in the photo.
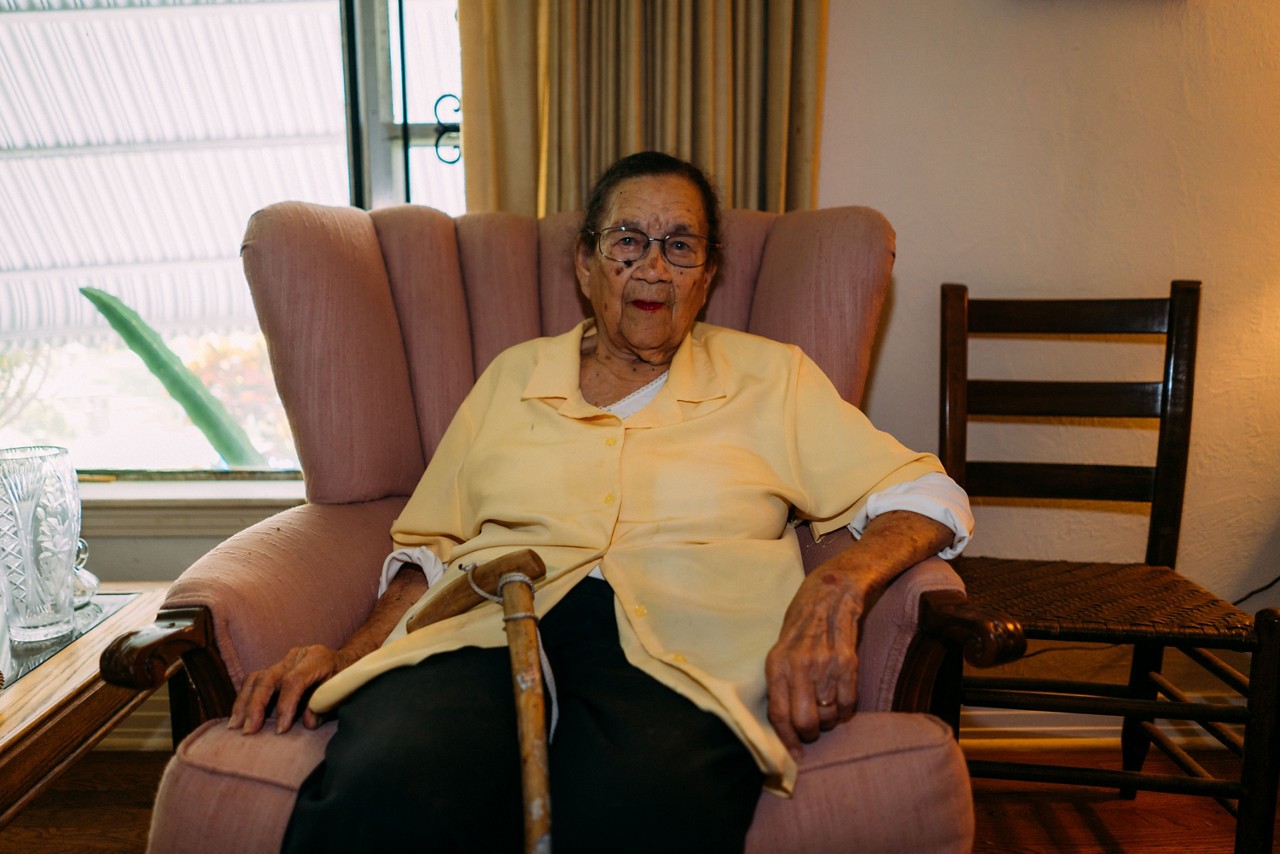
(304, 667)
(812, 670)
(290, 679)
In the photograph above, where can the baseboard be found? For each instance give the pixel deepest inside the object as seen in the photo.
(1016, 729)
(147, 728)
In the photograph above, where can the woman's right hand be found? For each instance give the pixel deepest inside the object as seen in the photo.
(290, 680)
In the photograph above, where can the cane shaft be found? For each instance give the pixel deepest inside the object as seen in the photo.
(526, 676)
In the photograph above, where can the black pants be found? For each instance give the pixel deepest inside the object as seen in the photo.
(426, 757)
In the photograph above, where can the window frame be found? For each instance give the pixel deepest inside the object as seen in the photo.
(378, 146)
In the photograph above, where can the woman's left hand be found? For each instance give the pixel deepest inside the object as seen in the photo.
(812, 671)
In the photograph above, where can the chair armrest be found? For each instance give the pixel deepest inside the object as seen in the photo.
(889, 634)
(986, 638)
(307, 575)
(180, 639)
(952, 631)
(908, 632)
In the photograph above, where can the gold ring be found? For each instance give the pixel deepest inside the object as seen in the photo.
(827, 703)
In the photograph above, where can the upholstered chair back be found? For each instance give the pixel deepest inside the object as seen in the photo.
(378, 322)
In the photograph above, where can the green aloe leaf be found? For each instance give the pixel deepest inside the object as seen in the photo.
(206, 411)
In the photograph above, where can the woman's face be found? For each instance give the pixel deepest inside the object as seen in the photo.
(644, 311)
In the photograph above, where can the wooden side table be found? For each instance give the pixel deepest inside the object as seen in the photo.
(56, 713)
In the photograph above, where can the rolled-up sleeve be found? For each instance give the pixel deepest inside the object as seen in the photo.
(934, 495)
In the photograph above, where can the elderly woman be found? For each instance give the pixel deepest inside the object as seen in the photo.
(654, 463)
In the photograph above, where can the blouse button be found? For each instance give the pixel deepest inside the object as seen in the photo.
(640, 610)
(679, 658)
(610, 498)
(611, 441)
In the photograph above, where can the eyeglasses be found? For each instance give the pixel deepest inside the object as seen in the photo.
(629, 245)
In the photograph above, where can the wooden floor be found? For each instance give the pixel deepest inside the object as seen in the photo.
(1028, 817)
(103, 805)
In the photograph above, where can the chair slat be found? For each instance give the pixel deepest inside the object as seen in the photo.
(1071, 481)
(1075, 399)
(1069, 317)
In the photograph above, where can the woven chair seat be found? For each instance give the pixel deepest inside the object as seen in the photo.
(1106, 602)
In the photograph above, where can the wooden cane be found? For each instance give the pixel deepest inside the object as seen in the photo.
(516, 589)
(511, 578)
(459, 596)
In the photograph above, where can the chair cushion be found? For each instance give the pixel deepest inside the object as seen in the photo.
(884, 782)
(245, 786)
(904, 773)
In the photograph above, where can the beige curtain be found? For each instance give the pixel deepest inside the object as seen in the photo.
(555, 90)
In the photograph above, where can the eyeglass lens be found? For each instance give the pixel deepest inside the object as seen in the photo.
(629, 244)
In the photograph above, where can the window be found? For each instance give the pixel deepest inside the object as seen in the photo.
(410, 66)
(136, 138)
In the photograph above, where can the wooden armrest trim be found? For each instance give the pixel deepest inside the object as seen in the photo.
(986, 638)
(950, 625)
(180, 638)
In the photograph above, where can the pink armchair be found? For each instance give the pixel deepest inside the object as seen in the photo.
(378, 323)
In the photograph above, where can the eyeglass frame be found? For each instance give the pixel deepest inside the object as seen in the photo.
(649, 241)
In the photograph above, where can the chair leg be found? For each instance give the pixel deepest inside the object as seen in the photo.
(1134, 741)
(184, 707)
(947, 692)
(1260, 773)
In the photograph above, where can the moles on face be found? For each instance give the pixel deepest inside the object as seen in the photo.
(644, 311)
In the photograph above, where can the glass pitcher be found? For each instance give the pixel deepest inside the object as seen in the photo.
(39, 534)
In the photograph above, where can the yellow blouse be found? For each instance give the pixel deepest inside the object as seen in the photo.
(684, 506)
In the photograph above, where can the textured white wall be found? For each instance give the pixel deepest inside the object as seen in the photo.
(1092, 147)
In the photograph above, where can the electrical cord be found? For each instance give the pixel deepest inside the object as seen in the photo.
(1034, 653)
(1272, 583)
